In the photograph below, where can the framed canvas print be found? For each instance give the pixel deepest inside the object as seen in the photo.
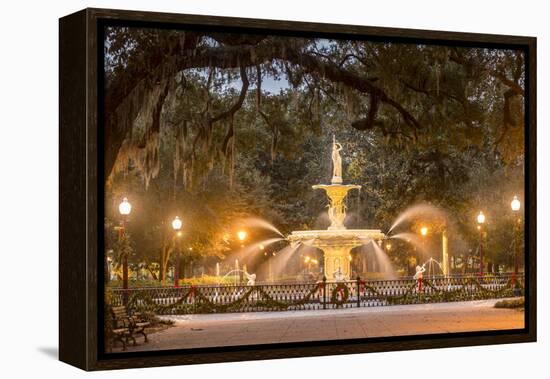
(238, 189)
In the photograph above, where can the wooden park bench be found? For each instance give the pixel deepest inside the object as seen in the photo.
(124, 326)
(117, 330)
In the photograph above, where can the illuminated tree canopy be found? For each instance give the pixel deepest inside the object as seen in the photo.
(199, 81)
(229, 125)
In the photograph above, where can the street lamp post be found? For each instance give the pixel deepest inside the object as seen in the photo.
(124, 208)
(480, 222)
(176, 225)
(108, 270)
(516, 206)
(241, 236)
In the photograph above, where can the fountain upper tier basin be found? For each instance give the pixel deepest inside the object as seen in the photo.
(340, 237)
(336, 187)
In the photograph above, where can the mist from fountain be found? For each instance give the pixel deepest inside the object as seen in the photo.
(257, 246)
(278, 263)
(413, 239)
(250, 253)
(321, 221)
(352, 218)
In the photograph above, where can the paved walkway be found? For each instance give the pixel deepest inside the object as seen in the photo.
(192, 331)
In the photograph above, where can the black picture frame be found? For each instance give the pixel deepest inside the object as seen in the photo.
(81, 186)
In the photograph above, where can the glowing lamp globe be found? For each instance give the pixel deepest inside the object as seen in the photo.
(125, 207)
(515, 204)
(241, 235)
(480, 218)
(176, 223)
(424, 231)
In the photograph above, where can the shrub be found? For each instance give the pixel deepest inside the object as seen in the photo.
(512, 303)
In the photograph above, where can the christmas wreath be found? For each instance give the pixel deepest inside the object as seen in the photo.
(340, 294)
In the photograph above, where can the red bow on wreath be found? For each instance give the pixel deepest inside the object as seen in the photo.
(192, 291)
(320, 286)
(419, 282)
(362, 286)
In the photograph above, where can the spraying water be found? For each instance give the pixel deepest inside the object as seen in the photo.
(247, 250)
(384, 261)
(434, 267)
(278, 263)
(260, 223)
(417, 211)
(252, 252)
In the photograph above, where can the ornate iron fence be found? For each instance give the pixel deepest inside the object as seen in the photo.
(310, 296)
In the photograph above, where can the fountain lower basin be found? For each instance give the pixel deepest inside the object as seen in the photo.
(336, 246)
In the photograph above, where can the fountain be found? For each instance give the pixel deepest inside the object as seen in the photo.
(337, 241)
(432, 266)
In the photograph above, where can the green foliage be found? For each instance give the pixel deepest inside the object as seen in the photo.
(463, 153)
(511, 303)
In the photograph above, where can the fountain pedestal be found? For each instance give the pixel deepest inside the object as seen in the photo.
(336, 261)
(336, 194)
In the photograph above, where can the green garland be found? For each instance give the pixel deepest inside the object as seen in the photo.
(402, 299)
(151, 306)
(194, 301)
(459, 294)
(205, 305)
(268, 301)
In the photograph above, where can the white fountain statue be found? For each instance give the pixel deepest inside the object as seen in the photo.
(336, 191)
(420, 272)
(336, 162)
(338, 275)
(251, 278)
(337, 241)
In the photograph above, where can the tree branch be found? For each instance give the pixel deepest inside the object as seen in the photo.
(226, 57)
(230, 113)
(508, 82)
(239, 103)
